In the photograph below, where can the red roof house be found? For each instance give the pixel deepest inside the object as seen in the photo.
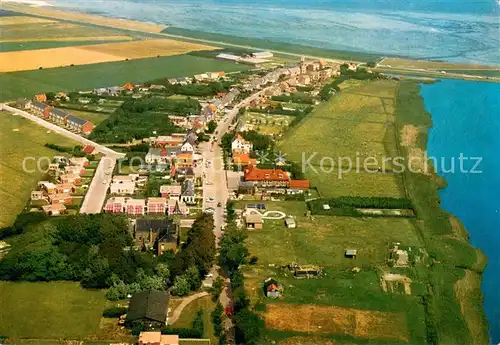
(299, 184)
(88, 149)
(267, 177)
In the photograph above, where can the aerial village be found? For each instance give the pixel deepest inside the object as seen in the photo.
(172, 184)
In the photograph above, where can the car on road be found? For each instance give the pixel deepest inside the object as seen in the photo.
(219, 204)
(210, 210)
(104, 181)
(210, 199)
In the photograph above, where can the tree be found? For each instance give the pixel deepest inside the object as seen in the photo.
(162, 270)
(249, 327)
(242, 111)
(181, 286)
(193, 277)
(51, 96)
(233, 252)
(198, 325)
(217, 316)
(212, 125)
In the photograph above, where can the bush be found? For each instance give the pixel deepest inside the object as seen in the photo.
(217, 316)
(114, 312)
(183, 332)
(197, 324)
(181, 286)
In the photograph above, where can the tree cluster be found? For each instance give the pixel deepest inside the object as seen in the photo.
(196, 256)
(233, 253)
(296, 97)
(85, 248)
(195, 90)
(137, 119)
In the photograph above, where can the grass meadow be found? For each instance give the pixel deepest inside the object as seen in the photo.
(187, 316)
(357, 296)
(52, 310)
(266, 124)
(21, 138)
(32, 45)
(85, 77)
(355, 124)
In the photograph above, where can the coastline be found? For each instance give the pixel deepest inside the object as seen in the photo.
(467, 289)
(453, 256)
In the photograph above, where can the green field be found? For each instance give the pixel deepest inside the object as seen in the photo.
(271, 45)
(49, 310)
(21, 138)
(188, 314)
(27, 83)
(266, 124)
(323, 240)
(17, 46)
(354, 129)
(33, 31)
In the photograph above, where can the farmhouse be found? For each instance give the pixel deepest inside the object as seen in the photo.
(156, 338)
(240, 145)
(253, 221)
(298, 186)
(148, 308)
(187, 146)
(350, 253)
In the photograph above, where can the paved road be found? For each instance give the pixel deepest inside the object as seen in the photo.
(62, 131)
(98, 189)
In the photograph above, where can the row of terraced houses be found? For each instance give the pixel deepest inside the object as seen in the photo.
(58, 116)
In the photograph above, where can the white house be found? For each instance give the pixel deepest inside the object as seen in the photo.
(187, 147)
(240, 145)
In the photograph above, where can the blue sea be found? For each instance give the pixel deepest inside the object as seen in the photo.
(466, 119)
(453, 30)
(465, 114)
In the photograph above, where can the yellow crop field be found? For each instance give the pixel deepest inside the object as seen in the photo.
(76, 38)
(336, 320)
(11, 20)
(83, 55)
(47, 58)
(146, 48)
(86, 18)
